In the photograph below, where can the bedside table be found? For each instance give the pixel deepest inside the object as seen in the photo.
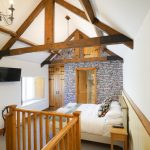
(119, 134)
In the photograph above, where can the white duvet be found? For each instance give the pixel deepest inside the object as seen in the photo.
(91, 123)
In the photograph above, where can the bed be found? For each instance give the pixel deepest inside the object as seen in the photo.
(95, 128)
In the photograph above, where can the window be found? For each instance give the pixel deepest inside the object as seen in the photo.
(32, 88)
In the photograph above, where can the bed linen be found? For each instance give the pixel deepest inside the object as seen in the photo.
(90, 122)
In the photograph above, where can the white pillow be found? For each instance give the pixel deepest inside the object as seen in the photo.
(115, 105)
(114, 121)
(113, 114)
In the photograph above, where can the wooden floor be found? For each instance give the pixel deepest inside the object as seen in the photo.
(86, 145)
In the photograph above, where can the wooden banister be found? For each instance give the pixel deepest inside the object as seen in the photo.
(68, 135)
(11, 128)
(58, 130)
(52, 113)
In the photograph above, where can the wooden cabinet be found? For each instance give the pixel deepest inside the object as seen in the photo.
(56, 86)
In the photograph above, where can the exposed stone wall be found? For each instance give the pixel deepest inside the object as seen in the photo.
(109, 78)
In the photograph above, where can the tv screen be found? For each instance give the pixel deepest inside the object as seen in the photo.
(9, 74)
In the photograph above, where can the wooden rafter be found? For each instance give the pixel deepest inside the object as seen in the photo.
(25, 25)
(14, 34)
(47, 59)
(75, 60)
(82, 34)
(27, 41)
(114, 58)
(96, 41)
(109, 52)
(88, 10)
(49, 21)
(7, 31)
(74, 9)
(51, 56)
(96, 22)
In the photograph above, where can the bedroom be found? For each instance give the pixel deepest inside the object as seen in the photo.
(133, 23)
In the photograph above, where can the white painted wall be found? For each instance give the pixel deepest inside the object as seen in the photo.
(136, 67)
(10, 92)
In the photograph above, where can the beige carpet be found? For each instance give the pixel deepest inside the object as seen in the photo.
(86, 145)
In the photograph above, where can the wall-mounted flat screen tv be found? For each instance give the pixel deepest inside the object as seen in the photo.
(9, 74)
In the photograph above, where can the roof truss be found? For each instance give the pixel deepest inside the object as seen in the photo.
(14, 34)
(114, 36)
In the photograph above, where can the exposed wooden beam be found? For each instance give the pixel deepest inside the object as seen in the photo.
(4, 53)
(57, 46)
(77, 50)
(75, 60)
(96, 41)
(27, 41)
(13, 34)
(7, 31)
(83, 34)
(49, 21)
(109, 52)
(25, 25)
(72, 8)
(49, 57)
(114, 58)
(114, 39)
(96, 22)
(88, 10)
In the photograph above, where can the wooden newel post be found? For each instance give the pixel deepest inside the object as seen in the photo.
(78, 132)
(11, 128)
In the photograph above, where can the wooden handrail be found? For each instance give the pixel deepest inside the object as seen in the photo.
(51, 144)
(57, 130)
(45, 113)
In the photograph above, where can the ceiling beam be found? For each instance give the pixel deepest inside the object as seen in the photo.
(96, 22)
(23, 40)
(114, 39)
(7, 31)
(25, 25)
(109, 52)
(88, 10)
(83, 34)
(90, 15)
(75, 60)
(74, 9)
(96, 41)
(114, 58)
(47, 59)
(49, 26)
(13, 34)
(49, 21)
(57, 46)
(50, 56)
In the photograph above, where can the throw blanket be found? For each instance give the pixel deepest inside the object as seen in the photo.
(69, 108)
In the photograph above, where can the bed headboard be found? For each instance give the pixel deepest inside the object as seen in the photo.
(124, 108)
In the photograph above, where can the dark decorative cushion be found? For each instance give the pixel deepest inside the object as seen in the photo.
(108, 100)
(104, 109)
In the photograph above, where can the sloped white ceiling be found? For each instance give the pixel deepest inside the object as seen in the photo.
(124, 16)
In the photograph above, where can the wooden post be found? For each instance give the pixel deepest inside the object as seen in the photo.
(8, 130)
(78, 133)
(11, 129)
